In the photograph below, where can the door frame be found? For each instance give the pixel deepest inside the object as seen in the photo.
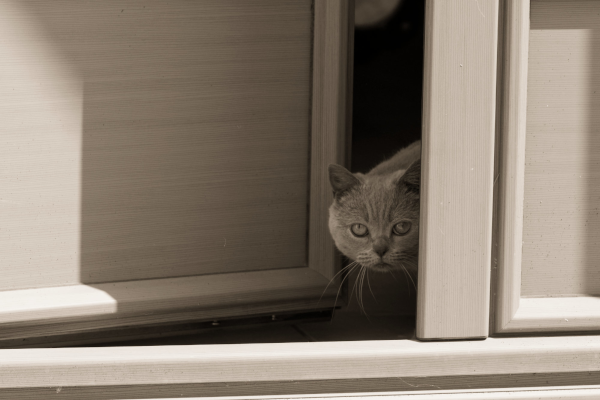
(459, 107)
(513, 313)
(360, 368)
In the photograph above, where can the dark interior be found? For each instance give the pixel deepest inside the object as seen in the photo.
(388, 82)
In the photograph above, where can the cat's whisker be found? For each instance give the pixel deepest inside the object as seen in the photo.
(343, 279)
(410, 262)
(362, 286)
(364, 272)
(354, 287)
(371, 290)
(411, 279)
(358, 286)
(331, 280)
(405, 277)
(352, 264)
(348, 273)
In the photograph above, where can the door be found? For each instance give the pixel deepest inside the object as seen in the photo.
(165, 161)
(548, 275)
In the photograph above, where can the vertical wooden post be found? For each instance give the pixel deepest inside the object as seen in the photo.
(459, 104)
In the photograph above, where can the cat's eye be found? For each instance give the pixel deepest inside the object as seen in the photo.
(401, 228)
(359, 230)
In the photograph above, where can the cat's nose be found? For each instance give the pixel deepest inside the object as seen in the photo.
(380, 247)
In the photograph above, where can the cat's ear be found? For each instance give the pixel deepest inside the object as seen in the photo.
(341, 180)
(412, 177)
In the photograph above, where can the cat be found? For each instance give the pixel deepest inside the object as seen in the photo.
(374, 217)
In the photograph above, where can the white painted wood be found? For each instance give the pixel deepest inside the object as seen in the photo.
(551, 314)
(537, 394)
(59, 310)
(457, 169)
(559, 394)
(194, 167)
(561, 229)
(548, 177)
(331, 124)
(294, 368)
(152, 139)
(508, 249)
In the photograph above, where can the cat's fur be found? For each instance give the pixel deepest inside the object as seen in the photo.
(385, 196)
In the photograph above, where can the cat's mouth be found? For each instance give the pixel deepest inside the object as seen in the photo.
(382, 267)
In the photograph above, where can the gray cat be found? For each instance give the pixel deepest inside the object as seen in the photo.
(374, 218)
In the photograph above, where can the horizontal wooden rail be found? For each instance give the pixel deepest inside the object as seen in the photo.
(300, 368)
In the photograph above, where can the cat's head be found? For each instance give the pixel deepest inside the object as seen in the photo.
(374, 219)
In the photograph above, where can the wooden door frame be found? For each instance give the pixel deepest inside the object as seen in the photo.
(513, 313)
(459, 100)
(361, 369)
(61, 312)
(290, 369)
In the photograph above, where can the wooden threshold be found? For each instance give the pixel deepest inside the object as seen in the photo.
(529, 394)
(300, 368)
